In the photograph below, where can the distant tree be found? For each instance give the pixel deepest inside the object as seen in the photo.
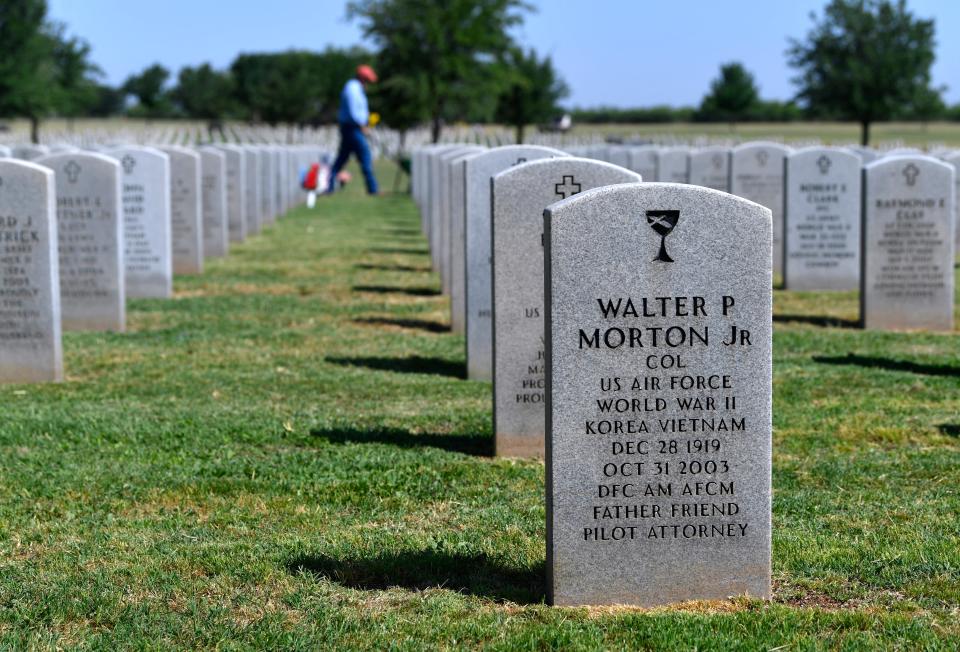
(107, 101)
(532, 92)
(399, 98)
(732, 97)
(864, 60)
(27, 76)
(928, 105)
(775, 111)
(75, 75)
(446, 43)
(331, 70)
(204, 93)
(295, 86)
(474, 98)
(148, 87)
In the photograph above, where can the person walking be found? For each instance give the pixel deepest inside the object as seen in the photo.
(353, 117)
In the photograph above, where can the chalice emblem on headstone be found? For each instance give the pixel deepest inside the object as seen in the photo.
(662, 223)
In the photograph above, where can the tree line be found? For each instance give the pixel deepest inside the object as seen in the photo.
(439, 62)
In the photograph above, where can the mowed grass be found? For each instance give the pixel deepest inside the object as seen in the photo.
(287, 456)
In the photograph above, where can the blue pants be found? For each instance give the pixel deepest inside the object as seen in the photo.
(352, 141)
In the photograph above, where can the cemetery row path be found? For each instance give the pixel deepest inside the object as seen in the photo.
(287, 456)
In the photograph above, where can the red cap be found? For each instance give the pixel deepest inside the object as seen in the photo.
(365, 74)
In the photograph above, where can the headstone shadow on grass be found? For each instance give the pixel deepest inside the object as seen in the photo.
(398, 250)
(389, 289)
(817, 320)
(473, 443)
(872, 362)
(950, 429)
(414, 364)
(391, 268)
(420, 570)
(415, 324)
(413, 232)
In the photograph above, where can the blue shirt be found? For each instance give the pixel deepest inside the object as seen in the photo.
(353, 105)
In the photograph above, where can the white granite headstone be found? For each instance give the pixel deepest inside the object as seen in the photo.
(148, 254)
(756, 173)
(674, 165)
(908, 244)
(90, 230)
(186, 210)
(822, 220)
(519, 195)
(710, 167)
(478, 171)
(30, 345)
(659, 393)
(213, 181)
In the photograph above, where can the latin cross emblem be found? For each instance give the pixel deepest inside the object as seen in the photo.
(824, 164)
(73, 171)
(910, 173)
(128, 163)
(568, 187)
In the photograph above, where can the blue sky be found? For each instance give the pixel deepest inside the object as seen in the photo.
(614, 52)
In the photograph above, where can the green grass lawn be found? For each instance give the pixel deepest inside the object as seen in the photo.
(287, 456)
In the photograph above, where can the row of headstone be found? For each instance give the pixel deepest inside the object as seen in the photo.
(816, 198)
(631, 330)
(887, 229)
(816, 195)
(84, 231)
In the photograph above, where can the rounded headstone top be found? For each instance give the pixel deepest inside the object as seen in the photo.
(75, 154)
(686, 192)
(821, 150)
(566, 162)
(898, 159)
(762, 144)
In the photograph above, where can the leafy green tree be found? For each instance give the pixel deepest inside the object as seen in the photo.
(331, 70)
(928, 105)
(532, 92)
(864, 60)
(75, 75)
(399, 98)
(732, 97)
(148, 87)
(446, 43)
(204, 93)
(295, 86)
(27, 75)
(107, 101)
